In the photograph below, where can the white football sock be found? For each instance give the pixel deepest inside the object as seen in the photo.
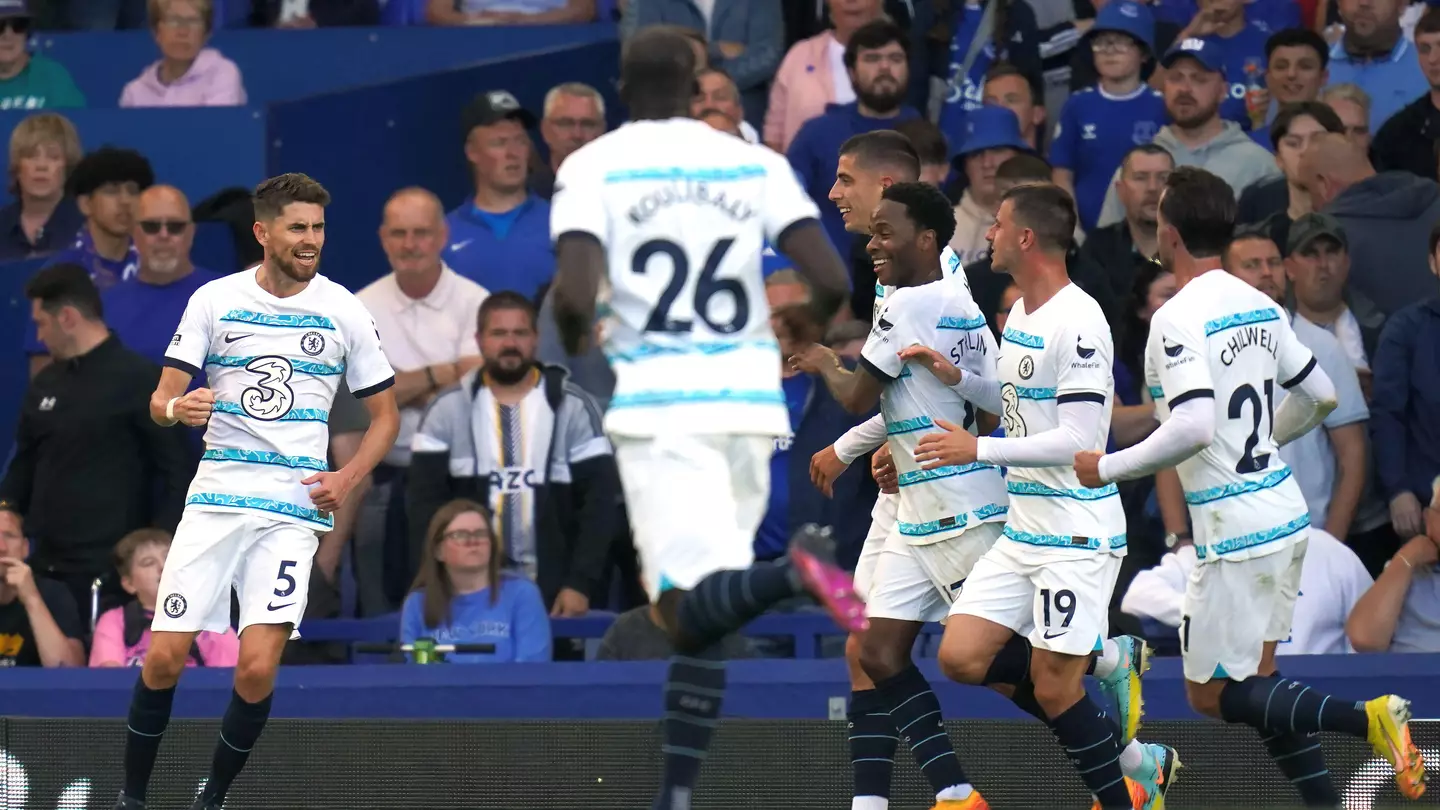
(869, 803)
(1132, 757)
(1108, 659)
(955, 793)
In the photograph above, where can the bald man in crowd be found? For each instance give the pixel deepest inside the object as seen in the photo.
(426, 315)
(1387, 217)
(144, 311)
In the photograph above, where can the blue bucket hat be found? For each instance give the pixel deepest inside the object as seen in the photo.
(992, 127)
(1209, 53)
(1127, 17)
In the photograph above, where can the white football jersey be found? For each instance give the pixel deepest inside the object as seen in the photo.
(935, 504)
(1061, 352)
(683, 212)
(950, 269)
(1219, 337)
(274, 365)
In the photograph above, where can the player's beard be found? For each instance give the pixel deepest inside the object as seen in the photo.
(293, 271)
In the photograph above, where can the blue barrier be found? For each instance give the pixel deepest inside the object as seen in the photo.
(198, 150)
(365, 144)
(763, 689)
(281, 65)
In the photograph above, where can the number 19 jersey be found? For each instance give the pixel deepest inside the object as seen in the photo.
(684, 212)
(1223, 339)
(274, 365)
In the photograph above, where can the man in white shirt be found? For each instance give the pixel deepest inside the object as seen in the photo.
(426, 316)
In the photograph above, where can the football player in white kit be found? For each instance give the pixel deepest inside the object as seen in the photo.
(1050, 577)
(1215, 355)
(947, 518)
(273, 341)
(665, 220)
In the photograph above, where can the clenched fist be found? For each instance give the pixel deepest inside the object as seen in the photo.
(194, 408)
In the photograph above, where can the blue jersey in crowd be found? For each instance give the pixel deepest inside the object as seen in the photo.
(1093, 135)
(509, 251)
(773, 537)
(145, 316)
(1277, 15)
(1246, 48)
(517, 624)
(966, 93)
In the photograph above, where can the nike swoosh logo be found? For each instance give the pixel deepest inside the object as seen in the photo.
(461, 245)
(1048, 634)
(273, 606)
(229, 338)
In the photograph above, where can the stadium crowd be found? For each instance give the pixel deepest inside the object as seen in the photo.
(499, 507)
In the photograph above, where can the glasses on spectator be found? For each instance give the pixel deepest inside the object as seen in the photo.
(466, 537)
(20, 25)
(1113, 44)
(174, 227)
(577, 123)
(182, 22)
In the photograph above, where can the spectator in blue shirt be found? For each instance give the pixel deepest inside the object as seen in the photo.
(461, 595)
(500, 237)
(1374, 54)
(1241, 38)
(877, 58)
(106, 185)
(1100, 125)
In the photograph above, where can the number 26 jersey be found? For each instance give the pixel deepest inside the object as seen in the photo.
(683, 213)
(274, 365)
(1223, 339)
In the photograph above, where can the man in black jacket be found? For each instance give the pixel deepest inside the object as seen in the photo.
(90, 466)
(518, 436)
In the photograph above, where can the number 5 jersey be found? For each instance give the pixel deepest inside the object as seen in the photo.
(274, 365)
(1221, 338)
(683, 213)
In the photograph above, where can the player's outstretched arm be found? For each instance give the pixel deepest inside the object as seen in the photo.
(1190, 429)
(579, 266)
(170, 403)
(814, 256)
(857, 391)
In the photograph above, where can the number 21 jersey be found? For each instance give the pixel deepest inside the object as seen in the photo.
(684, 212)
(1221, 338)
(274, 365)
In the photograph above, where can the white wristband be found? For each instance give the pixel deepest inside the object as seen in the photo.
(170, 408)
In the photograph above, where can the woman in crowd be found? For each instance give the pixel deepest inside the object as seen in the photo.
(122, 635)
(461, 595)
(188, 73)
(42, 219)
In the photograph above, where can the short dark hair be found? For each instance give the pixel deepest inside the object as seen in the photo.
(107, 165)
(65, 285)
(1000, 70)
(1201, 208)
(1146, 149)
(873, 35)
(927, 207)
(929, 141)
(1429, 23)
(657, 66)
(1245, 233)
(884, 147)
(1298, 38)
(273, 195)
(1024, 167)
(1047, 210)
(1285, 118)
(505, 299)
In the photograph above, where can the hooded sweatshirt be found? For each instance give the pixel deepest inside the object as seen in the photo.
(1231, 155)
(1387, 220)
(211, 81)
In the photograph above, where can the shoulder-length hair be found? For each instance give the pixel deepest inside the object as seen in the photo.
(433, 579)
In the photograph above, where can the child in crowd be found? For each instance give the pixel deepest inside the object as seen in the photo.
(123, 634)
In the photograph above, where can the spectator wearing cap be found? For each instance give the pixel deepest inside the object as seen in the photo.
(718, 94)
(1387, 217)
(188, 74)
(1409, 139)
(500, 237)
(44, 149)
(1318, 266)
(877, 58)
(1296, 61)
(1279, 201)
(574, 116)
(993, 137)
(509, 12)
(744, 37)
(1374, 54)
(30, 81)
(1240, 42)
(142, 311)
(106, 185)
(1099, 125)
(1195, 86)
(813, 74)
